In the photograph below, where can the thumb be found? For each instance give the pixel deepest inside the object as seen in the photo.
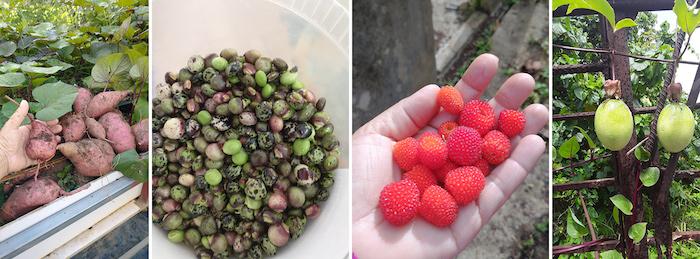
(16, 119)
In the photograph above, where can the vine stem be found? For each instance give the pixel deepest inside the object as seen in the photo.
(636, 146)
(624, 54)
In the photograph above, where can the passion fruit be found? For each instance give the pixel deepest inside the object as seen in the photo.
(675, 127)
(613, 124)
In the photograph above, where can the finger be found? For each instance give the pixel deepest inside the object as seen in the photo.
(52, 122)
(406, 117)
(16, 119)
(536, 117)
(56, 128)
(513, 93)
(478, 76)
(442, 117)
(500, 184)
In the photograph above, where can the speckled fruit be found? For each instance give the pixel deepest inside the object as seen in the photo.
(675, 127)
(613, 124)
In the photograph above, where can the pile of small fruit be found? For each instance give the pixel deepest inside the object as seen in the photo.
(447, 169)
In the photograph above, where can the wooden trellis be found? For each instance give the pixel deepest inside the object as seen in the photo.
(615, 61)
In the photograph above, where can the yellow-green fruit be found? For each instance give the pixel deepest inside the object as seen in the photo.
(675, 127)
(613, 124)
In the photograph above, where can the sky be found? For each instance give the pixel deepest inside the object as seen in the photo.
(686, 72)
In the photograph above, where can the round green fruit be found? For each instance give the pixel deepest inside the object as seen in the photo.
(613, 124)
(675, 127)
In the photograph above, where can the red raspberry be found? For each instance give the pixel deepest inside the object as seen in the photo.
(483, 166)
(438, 207)
(465, 184)
(450, 99)
(479, 115)
(399, 202)
(421, 176)
(511, 122)
(442, 172)
(405, 153)
(432, 150)
(496, 147)
(464, 146)
(446, 128)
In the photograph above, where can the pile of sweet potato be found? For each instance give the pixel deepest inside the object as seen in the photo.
(92, 135)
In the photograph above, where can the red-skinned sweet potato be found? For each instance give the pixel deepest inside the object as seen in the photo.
(104, 102)
(82, 100)
(42, 142)
(141, 134)
(118, 132)
(29, 196)
(91, 157)
(73, 127)
(95, 128)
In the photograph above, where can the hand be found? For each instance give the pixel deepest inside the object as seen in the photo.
(373, 167)
(13, 139)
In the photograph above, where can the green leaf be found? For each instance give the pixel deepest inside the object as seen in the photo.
(649, 176)
(7, 48)
(139, 71)
(9, 67)
(57, 63)
(569, 148)
(616, 215)
(33, 67)
(637, 231)
(642, 154)
(9, 108)
(141, 110)
(574, 227)
(590, 141)
(625, 23)
(12, 79)
(111, 69)
(56, 99)
(687, 17)
(611, 254)
(131, 165)
(622, 203)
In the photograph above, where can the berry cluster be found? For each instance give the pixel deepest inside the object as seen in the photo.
(447, 169)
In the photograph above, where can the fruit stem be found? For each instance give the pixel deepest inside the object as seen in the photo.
(636, 146)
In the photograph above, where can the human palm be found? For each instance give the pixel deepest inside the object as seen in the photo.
(373, 167)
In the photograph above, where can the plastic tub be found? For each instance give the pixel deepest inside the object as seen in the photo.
(312, 35)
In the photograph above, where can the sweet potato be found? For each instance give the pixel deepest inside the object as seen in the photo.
(91, 157)
(73, 127)
(140, 130)
(104, 102)
(42, 142)
(118, 132)
(82, 100)
(95, 128)
(29, 196)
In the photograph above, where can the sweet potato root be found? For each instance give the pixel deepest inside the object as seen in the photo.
(91, 157)
(73, 127)
(82, 100)
(95, 128)
(29, 196)
(141, 133)
(42, 142)
(104, 102)
(118, 132)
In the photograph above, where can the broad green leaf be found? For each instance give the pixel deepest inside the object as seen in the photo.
(622, 203)
(7, 48)
(590, 141)
(637, 231)
(687, 17)
(574, 227)
(9, 67)
(57, 63)
(9, 108)
(139, 71)
(569, 148)
(56, 99)
(616, 215)
(611, 254)
(625, 23)
(90, 83)
(642, 154)
(131, 165)
(141, 110)
(110, 69)
(649, 176)
(12, 79)
(126, 3)
(33, 67)
(559, 3)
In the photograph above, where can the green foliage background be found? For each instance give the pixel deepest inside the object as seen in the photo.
(575, 140)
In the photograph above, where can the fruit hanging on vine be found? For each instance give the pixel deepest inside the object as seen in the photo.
(676, 123)
(613, 120)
